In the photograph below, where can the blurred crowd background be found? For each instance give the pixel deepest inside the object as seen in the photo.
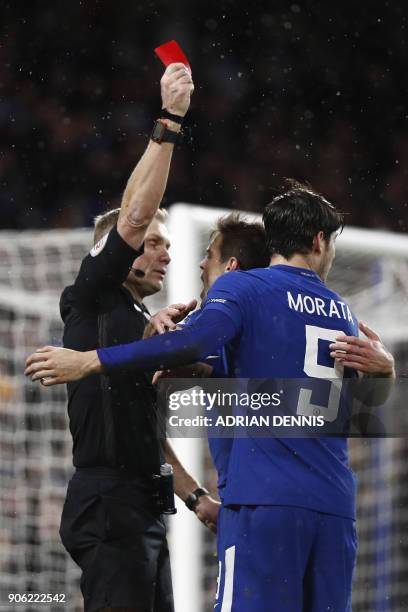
(311, 90)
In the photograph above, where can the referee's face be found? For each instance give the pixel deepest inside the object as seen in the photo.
(153, 263)
(211, 265)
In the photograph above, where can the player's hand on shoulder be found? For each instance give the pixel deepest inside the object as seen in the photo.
(53, 365)
(367, 355)
(176, 89)
(206, 510)
(166, 319)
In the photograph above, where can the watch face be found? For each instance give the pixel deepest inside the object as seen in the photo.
(158, 131)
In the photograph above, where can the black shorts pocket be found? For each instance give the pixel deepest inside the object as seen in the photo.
(82, 523)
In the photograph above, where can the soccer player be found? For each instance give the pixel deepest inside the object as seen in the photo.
(291, 501)
(235, 244)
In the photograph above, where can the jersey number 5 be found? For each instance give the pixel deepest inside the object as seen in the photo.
(313, 369)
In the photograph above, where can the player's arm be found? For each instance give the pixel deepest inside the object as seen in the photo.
(206, 508)
(221, 320)
(213, 366)
(165, 351)
(147, 183)
(370, 358)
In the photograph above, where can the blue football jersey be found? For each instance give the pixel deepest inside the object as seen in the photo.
(220, 448)
(285, 319)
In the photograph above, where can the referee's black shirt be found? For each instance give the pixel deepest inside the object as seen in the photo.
(113, 420)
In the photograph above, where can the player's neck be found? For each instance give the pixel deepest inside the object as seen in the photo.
(297, 261)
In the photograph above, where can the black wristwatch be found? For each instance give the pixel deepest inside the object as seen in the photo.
(192, 499)
(161, 133)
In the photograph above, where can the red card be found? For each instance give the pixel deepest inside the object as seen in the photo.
(170, 53)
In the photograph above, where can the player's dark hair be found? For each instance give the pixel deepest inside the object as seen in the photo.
(295, 216)
(243, 240)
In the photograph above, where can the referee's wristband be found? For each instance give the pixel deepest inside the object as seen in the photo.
(192, 499)
(165, 114)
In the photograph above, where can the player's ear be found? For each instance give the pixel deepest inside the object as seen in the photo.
(232, 264)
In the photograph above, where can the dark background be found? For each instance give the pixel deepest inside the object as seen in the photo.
(314, 90)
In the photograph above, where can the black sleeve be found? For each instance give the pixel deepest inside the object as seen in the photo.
(104, 268)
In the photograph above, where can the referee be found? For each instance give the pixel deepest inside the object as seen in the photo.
(111, 523)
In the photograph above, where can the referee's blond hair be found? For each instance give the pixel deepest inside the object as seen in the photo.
(103, 223)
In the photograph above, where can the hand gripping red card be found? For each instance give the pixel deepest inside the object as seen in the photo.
(171, 52)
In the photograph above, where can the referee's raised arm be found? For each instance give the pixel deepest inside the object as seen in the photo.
(146, 185)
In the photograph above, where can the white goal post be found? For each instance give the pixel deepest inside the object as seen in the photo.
(370, 272)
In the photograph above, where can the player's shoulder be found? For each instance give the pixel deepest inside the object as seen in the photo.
(244, 285)
(240, 278)
(331, 294)
(337, 302)
(261, 279)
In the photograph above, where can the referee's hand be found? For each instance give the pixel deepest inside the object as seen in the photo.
(176, 89)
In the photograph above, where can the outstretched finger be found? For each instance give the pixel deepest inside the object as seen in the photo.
(367, 331)
(187, 308)
(192, 304)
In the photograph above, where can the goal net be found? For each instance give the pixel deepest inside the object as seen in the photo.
(371, 273)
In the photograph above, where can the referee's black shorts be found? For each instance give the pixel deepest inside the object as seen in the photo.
(113, 531)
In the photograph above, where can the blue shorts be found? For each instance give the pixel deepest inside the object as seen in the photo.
(284, 559)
